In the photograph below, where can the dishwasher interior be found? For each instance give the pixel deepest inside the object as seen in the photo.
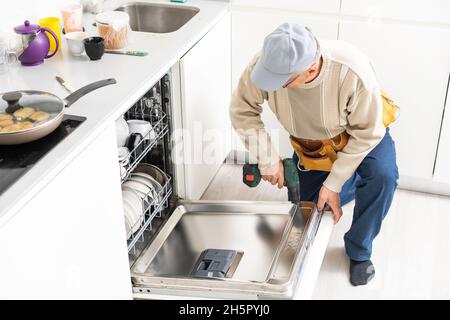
(153, 149)
(222, 249)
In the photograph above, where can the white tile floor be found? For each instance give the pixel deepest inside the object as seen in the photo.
(411, 254)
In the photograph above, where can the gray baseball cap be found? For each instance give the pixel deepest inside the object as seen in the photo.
(290, 48)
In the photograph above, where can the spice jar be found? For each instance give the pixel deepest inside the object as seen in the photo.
(113, 26)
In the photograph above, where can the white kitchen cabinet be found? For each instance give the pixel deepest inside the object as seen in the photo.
(442, 169)
(322, 6)
(69, 241)
(437, 11)
(249, 29)
(205, 73)
(412, 63)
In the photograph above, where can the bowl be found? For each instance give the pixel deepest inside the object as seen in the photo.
(122, 132)
(142, 127)
(95, 47)
(75, 42)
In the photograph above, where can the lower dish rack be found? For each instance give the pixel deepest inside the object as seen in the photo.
(153, 207)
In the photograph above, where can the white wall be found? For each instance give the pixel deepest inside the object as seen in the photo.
(13, 13)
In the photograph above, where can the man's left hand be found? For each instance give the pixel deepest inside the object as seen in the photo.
(331, 198)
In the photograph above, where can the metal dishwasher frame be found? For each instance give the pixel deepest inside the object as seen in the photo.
(171, 211)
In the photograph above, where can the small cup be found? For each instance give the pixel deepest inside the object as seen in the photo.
(72, 17)
(75, 42)
(95, 47)
(133, 142)
(54, 24)
(143, 127)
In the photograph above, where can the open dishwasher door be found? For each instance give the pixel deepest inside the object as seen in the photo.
(236, 250)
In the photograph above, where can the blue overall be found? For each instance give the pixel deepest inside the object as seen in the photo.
(372, 187)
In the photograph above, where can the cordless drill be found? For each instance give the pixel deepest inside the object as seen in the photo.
(252, 177)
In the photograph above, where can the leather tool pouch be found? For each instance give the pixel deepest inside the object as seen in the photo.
(319, 154)
(390, 110)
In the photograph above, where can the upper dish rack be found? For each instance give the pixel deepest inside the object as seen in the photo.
(148, 109)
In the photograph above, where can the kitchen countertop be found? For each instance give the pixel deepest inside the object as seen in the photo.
(134, 75)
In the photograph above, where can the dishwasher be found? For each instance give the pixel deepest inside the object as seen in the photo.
(209, 249)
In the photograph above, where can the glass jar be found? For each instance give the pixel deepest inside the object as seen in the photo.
(113, 27)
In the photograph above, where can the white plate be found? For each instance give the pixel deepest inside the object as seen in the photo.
(142, 188)
(155, 184)
(132, 197)
(128, 227)
(153, 171)
(145, 181)
(131, 215)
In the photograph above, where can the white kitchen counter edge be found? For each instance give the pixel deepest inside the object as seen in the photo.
(48, 168)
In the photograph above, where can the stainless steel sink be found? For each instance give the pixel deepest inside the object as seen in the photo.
(158, 18)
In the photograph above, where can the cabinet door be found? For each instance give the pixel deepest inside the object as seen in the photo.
(206, 91)
(69, 241)
(442, 169)
(413, 10)
(249, 30)
(412, 64)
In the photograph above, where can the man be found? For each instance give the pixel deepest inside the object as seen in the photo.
(322, 91)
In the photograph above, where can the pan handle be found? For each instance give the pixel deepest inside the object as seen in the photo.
(71, 98)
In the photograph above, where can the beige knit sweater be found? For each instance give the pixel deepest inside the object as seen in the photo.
(345, 96)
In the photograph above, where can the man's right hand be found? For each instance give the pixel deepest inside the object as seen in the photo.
(277, 178)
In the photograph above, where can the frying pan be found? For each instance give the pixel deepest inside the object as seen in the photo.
(12, 101)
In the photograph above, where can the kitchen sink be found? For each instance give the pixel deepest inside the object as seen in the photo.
(158, 18)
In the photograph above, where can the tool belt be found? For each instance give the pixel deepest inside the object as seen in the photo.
(320, 154)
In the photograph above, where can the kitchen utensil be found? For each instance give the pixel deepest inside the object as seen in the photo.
(144, 128)
(42, 101)
(35, 43)
(95, 47)
(65, 84)
(72, 16)
(129, 53)
(122, 132)
(113, 26)
(134, 145)
(75, 42)
(54, 24)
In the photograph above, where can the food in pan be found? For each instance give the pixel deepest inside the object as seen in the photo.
(24, 112)
(39, 116)
(5, 123)
(4, 116)
(17, 127)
